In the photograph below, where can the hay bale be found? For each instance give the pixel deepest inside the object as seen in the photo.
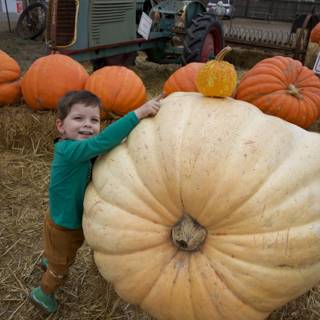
(23, 129)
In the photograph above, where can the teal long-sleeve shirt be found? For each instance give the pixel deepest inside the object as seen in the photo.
(71, 170)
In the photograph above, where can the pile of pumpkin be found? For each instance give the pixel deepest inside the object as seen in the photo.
(211, 209)
(279, 86)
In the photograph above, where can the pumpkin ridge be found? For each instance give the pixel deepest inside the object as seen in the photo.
(277, 103)
(223, 233)
(9, 68)
(264, 260)
(310, 112)
(268, 84)
(216, 306)
(166, 219)
(313, 98)
(127, 89)
(155, 136)
(264, 71)
(237, 212)
(308, 81)
(142, 94)
(10, 92)
(116, 90)
(256, 91)
(38, 92)
(291, 275)
(233, 284)
(149, 220)
(249, 312)
(259, 186)
(165, 266)
(254, 193)
(223, 281)
(294, 104)
(286, 69)
(138, 87)
(194, 268)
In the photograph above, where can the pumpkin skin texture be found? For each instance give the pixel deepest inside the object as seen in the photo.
(51, 77)
(252, 183)
(315, 34)
(183, 79)
(10, 92)
(217, 78)
(9, 79)
(282, 87)
(119, 88)
(9, 68)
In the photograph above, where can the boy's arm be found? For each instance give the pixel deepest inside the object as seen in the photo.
(110, 137)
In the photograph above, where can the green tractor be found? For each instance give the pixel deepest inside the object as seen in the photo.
(111, 32)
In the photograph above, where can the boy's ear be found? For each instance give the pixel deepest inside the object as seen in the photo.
(59, 125)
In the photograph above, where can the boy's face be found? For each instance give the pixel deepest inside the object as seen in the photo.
(82, 122)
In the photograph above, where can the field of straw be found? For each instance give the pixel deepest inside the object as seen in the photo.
(26, 151)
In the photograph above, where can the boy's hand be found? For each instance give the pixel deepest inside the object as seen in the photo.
(150, 108)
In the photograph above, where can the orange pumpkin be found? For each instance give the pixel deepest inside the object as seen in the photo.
(10, 90)
(120, 89)
(49, 78)
(282, 87)
(183, 79)
(315, 34)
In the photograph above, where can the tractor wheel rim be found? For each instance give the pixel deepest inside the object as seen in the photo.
(210, 45)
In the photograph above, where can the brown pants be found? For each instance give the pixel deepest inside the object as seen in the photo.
(60, 248)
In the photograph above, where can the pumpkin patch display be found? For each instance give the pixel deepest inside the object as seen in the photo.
(283, 87)
(51, 77)
(217, 78)
(10, 90)
(120, 89)
(183, 79)
(315, 34)
(210, 210)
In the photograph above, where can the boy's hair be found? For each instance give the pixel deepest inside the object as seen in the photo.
(71, 98)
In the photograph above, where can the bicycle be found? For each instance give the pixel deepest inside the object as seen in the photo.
(32, 21)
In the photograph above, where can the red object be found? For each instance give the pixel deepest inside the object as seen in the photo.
(19, 6)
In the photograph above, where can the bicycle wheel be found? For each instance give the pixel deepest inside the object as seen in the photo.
(32, 21)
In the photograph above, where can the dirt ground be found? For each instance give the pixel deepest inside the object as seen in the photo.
(25, 155)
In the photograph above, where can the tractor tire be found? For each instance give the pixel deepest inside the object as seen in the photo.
(203, 40)
(32, 21)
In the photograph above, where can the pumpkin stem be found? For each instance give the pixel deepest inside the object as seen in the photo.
(220, 56)
(293, 90)
(187, 234)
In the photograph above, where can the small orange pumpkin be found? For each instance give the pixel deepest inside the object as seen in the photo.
(283, 87)
(120, 89)
(315, 34)
(217, 78)
(49, 78)
(10, 90)
(183, 79)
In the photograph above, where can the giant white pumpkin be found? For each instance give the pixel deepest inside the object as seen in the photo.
(210, 210)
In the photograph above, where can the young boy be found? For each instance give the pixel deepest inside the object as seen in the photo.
(78, 121)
